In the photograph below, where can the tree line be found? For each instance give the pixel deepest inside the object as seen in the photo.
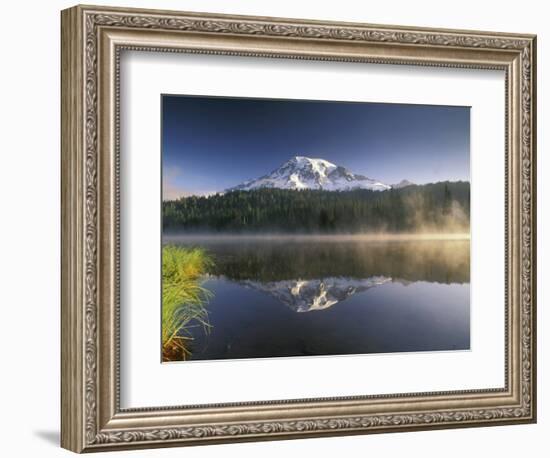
(442, 206)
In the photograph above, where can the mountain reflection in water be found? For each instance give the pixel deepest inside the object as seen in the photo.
(311, 295)
(366, 296)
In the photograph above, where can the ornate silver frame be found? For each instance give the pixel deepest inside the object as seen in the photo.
(92, 39)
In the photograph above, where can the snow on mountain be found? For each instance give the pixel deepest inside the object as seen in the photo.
(317, 294)
(402, 184)
(307, 173)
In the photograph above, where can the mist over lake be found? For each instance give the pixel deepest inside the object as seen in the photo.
(279, 296)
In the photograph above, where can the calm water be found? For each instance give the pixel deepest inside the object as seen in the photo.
(307, 296)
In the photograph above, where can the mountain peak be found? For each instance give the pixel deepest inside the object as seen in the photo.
(305, 159)
(403, 184)
(302, 172)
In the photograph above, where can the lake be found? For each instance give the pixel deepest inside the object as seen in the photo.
(307, 296)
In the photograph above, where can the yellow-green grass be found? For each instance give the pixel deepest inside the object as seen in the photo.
(183, 297)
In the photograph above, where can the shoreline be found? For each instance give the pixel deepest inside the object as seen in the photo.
(167, 238)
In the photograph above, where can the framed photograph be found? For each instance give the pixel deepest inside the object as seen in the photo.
(277, 228)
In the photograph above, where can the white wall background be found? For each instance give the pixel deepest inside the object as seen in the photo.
(29, 241)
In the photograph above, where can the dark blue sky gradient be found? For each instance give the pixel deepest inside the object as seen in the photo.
(212, 143)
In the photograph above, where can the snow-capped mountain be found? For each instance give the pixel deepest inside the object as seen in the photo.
(318, 294)
(306, 173)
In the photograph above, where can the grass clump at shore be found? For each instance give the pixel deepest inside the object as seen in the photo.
(183, 298)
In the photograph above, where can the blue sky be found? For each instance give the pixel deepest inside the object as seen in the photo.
(213, 143)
